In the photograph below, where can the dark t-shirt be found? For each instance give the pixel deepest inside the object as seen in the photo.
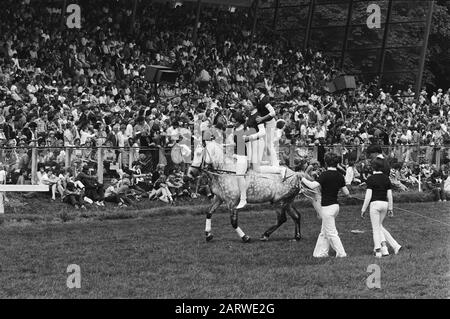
(331, 182)
(251, 122)
(261, 106)
(379, 184)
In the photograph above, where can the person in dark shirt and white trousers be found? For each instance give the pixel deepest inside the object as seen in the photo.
(379, 197)
(331, 182)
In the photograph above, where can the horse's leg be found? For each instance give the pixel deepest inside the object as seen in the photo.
(296, 217)
(281, 219)
(234, 224)
(217, 201)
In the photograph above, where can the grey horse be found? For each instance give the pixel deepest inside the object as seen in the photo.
(262, 188)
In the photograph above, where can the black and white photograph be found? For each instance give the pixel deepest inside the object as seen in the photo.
(225, 156)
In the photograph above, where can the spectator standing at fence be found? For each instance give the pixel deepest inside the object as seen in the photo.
(379, 197)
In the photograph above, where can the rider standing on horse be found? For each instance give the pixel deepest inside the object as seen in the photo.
(240, 154)
(267, 117)
(254, 140)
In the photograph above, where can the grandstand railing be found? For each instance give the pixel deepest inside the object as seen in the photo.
(104, 162)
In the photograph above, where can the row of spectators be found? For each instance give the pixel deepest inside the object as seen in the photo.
(85, 88)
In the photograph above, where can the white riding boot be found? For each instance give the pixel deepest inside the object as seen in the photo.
(242, 203)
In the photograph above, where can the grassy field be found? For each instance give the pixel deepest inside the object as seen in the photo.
(165, 256)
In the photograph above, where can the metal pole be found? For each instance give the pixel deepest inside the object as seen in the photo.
(67, 158)
(423, 54)
(34, 165)
(255, 13)
(347, 32)
(100, 165)
(309, 23)
(133, 19)
(383, 47)
(197, 19)
(63, 13)
(275, 15)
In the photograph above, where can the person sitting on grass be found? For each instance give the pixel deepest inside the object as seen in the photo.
(115, 193)
(447, 188)
(124, 189)
(409, 176)
(52, 180)
(175, 183)
(93, 189)
(161, 190)
(73, 195)
(140, 182)
(395, 178)
(435, 183)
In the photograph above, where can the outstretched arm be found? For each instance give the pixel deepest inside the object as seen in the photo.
(259, 134)
(268, 116)
(390, 203)
(310, 184)
(366, 202)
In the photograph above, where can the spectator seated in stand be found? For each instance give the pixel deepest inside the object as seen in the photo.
(64, 95)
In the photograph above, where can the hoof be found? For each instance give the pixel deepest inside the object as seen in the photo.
(296, 239)
(209, 238)
(246, 239)
(264, 238)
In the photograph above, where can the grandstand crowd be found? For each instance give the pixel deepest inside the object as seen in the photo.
(85, 88)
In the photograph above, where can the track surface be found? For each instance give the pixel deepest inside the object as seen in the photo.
(167, 257)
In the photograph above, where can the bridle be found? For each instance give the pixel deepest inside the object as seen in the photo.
(209, 167)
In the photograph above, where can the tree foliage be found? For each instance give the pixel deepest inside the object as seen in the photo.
(438, 57)
(363, 53)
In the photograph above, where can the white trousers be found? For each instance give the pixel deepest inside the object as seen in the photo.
(241, 168)
(256, 151)
(241, 164)
(378, 211)
(328, 234)
(269, 140)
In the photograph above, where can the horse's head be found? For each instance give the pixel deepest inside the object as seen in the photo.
(209, 154)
